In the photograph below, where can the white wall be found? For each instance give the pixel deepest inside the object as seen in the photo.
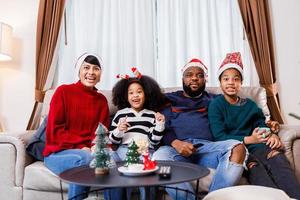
(286, 28)
(17, 76)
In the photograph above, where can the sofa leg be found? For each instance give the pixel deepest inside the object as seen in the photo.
(61, 190)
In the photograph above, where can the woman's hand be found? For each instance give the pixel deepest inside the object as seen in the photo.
(86, 149)
(159, 117)
(123, 125)
(274, 142)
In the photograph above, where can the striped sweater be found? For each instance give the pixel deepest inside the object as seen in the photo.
(142, 126)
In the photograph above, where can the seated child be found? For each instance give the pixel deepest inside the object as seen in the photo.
(137, 98)
(233, 117)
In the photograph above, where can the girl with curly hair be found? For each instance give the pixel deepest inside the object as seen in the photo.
(138, 100)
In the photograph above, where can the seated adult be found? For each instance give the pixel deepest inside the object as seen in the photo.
(188, 137)
(75, 112)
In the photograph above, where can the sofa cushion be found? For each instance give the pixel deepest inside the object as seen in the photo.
(247, 192)
(38, 177)
(257, 94)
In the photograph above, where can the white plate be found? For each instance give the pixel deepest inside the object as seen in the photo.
(124, 170)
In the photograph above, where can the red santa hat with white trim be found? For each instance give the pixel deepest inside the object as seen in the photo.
(232, 60)
(195, 62)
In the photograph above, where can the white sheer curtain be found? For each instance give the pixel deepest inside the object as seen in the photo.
(119, 31)
(157, 36)
(205, 29)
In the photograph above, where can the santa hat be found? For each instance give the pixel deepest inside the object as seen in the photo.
(80, 61)
(232, 60)
(195, 63)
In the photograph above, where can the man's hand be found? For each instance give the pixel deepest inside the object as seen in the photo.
(183, 148)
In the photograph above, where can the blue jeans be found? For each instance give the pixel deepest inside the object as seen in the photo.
(120, 155)
(210, 154)
(273, 172)
(70, 158)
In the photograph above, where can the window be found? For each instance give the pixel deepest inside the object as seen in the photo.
(156, 36)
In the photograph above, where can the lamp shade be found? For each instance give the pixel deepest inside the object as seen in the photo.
(5, 42)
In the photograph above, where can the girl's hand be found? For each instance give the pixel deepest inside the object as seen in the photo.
(258, 136)
(159, 117)
(123, 125)
(274, 126)
(274, 142)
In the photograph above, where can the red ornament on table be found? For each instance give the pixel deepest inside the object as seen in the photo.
(148, 164)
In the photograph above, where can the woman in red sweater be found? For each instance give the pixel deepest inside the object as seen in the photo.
(75, 111)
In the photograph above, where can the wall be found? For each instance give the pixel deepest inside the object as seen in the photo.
(286, 27)
(17, 77)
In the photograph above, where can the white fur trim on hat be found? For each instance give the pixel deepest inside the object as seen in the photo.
(230, 66)
(195, 63)
(80, 61)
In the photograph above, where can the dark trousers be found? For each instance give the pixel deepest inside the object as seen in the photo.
(272, 172)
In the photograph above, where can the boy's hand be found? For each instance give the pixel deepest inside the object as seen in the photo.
(274, 142)
(159, 117)
(274, 126)
(258, 136)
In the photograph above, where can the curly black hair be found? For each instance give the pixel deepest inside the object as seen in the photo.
(154, 97)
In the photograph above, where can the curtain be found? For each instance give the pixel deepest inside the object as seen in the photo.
(48, 25)
(256, 18)
(119, 31)
(158, 37)
(202, 29)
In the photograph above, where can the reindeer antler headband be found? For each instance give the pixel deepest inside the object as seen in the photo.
(134, 70)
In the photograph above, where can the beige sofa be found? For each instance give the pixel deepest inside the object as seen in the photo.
(23, 178)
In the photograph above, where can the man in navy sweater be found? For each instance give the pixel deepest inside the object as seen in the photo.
(188, 138)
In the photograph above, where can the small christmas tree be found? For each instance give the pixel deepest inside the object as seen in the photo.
(132, 155)
(101, 161)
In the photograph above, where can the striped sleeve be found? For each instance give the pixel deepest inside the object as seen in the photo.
(115, 136)
(155, 130)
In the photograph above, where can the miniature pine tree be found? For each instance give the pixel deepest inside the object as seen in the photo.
(102, 159)
(132, 155)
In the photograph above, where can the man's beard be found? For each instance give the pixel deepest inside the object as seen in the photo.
(192, 93)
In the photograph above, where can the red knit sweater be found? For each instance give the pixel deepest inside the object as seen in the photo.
(74, 114)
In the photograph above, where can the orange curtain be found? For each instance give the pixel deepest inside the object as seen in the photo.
(48, 25)
(257, 23)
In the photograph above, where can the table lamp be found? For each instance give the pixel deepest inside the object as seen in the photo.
(5, 42)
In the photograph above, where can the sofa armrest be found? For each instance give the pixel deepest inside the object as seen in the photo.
(13, 158)
(290, 136)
